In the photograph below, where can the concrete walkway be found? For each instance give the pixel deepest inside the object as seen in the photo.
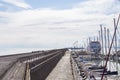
(62, 71)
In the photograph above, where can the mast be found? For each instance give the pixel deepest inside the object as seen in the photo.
(115, 36)
(102, 52)
(110, 46)
(105, 41)
(99, 36)
(108, 37)
(89, 39)
(116, 58)
(102, 39)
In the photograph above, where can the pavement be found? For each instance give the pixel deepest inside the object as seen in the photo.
(62, 71)
(16, 72)
(5, 63)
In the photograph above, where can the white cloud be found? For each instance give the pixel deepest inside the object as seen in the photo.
(18, 3)
(1, 4)
(56, 28)
(102, 6)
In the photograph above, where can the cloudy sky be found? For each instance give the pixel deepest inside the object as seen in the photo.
(46, 24)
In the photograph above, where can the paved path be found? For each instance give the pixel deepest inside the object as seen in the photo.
(63, 69)
(16, 72)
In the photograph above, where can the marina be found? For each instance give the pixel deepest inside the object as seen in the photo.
(93, 70)
(60, 40)
(100, 60)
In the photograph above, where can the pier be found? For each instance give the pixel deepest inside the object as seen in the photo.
(29, 66)
(95, 59)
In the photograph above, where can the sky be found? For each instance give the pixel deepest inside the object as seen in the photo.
(27, 25)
